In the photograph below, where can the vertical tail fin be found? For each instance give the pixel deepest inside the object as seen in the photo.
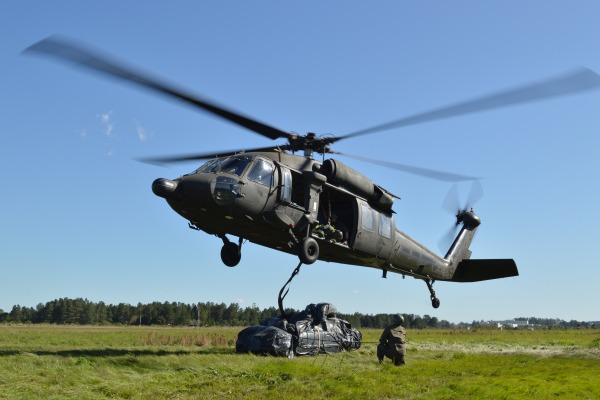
(459, 250)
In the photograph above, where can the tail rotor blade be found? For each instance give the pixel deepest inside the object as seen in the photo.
(452, 201)
(447, 239)
(452, 204)
(475, 194)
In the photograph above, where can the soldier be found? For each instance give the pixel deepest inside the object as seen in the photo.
(392, 341)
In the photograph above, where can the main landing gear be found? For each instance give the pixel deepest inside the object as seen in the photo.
(308, 250)
(231, 253)
(435, 302)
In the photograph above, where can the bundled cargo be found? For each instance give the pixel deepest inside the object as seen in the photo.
(264, 340)
(310, 332)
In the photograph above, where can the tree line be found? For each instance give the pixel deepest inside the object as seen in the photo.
(84, 312)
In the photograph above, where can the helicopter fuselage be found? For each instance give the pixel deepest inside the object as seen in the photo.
(275, 199)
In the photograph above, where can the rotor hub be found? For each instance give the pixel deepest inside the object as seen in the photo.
(469, 219)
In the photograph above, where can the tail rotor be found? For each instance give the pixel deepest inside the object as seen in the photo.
(463, 214)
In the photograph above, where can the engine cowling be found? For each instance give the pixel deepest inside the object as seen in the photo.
(340, 174)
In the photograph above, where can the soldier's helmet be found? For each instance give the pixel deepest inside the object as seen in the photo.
(399, 318)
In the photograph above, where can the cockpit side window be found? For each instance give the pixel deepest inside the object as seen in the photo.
(261, 172)
(286, 194)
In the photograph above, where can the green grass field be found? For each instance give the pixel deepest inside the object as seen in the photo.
(79, 362)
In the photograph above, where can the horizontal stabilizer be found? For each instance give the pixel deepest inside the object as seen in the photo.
(482, 270)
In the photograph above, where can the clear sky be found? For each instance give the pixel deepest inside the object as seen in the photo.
(78, 218)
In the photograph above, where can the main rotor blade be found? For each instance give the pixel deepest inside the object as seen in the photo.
(206, 156)
(577, 81)
(427, 173)
(70, 52)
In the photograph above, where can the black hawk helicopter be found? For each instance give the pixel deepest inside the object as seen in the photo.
(319, 210)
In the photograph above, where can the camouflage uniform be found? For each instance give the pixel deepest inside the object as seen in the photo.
(392, 344)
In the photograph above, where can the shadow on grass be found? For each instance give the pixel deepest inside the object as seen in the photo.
(117, 352)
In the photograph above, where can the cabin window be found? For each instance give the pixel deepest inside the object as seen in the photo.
(261, 172)
(368, 217)
(385, 225)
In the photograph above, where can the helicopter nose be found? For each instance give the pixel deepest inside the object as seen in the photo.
(164, 187)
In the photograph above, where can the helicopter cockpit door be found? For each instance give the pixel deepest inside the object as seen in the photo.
(258, 189)
(374, 231)
(286, 210)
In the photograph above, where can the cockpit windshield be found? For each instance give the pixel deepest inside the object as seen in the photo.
(235, 165)
(209, 165)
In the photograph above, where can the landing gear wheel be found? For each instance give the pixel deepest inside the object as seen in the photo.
(230, 254)
(435, 302)
(308, 250)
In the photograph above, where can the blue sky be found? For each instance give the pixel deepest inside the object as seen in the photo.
(78, 218)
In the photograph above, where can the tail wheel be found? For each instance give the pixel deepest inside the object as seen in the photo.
(308, 251)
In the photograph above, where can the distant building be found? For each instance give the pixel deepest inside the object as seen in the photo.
(512, 324)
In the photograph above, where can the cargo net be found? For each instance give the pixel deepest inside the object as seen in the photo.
(315, 330)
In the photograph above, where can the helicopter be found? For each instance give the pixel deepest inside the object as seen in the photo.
(316, 209)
